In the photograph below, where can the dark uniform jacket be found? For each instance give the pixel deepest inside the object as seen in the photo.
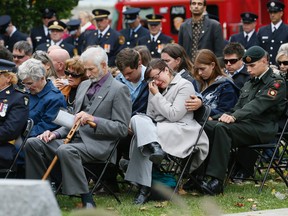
(38, 36)
(241, 39)
(271, 41)
(261, 103)
(16, 36)
(111, 42)
(14, 111)
(68, 47)
(155, 47)
(241, 77)
(132, 41)
(211, 36)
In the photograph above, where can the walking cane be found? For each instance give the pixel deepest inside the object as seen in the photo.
(67, 140)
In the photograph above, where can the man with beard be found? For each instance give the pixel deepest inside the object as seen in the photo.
(203, 33)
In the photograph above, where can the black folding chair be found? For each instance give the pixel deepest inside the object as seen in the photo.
(201, 116)
(270, 155)
(25, 135)
(89, 167)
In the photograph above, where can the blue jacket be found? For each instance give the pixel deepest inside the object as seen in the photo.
(221, 95)
(44, 107)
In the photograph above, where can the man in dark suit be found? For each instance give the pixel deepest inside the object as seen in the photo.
(272, 36)
(74, 38)
(41, 34)
(135, 30)
(200, 32)
(56, 28)
(100, 99)
(106, 37)
(9, 32)
(248, 37)
(234, 66)
(156, 40)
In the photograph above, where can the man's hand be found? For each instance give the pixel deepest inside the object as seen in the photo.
(47, 136)
(84, 117)
(227, 118)
(193, 103)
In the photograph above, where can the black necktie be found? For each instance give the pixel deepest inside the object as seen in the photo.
(246, 38)
(100, 35)
(153, 39)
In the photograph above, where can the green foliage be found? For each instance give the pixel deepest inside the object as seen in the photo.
(26, 14)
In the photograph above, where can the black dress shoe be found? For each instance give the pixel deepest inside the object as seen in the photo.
(157, 154)
(143, 195)
(194, 184)
(87, 201)
(212, 187)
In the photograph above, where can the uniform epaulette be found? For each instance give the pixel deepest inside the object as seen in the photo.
(20, 90)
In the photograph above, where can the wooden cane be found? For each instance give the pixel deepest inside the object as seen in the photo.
(67, 140)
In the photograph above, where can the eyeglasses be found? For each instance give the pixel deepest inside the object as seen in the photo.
(3, 71)
(283, 62)
(27, 83)
(18, 56)
(67, 73)
(232, 61)
(155, 77)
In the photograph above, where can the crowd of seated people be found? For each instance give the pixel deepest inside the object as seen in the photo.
(148, 104)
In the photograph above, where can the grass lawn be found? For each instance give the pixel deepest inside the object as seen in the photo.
(236, 198)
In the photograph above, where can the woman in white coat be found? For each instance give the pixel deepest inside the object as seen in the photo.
(167, 127)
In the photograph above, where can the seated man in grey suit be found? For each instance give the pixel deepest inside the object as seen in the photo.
(100, 99)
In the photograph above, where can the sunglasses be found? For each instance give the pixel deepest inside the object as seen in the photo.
(232, 61)
(283, 62)
(18, 56)
(67, 73)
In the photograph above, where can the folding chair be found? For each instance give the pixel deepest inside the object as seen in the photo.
(89, 171)
(201, 116)
(274, 159)
(25, 135)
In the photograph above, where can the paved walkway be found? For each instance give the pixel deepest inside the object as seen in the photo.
(274, 212)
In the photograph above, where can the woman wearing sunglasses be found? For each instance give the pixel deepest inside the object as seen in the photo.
(75, 75)
(282, 61)
(218, 90)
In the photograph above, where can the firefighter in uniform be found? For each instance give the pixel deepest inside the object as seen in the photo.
(56, 29)
(248, 37)
(254, 118)
(272, 36)
(74, 38)
(156, 40)
(14, 112)
(135, 30)
(106, 37)
(41, 34)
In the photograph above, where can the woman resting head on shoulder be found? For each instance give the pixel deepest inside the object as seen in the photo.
(218, 90)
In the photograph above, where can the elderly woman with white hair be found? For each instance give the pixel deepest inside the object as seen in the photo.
(45, 98)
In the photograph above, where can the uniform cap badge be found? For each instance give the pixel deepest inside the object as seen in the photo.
(248, 59)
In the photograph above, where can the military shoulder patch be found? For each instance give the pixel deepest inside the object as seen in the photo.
(121, 39)
(272, 92)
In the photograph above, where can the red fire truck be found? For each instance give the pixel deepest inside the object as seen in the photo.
(176, 11)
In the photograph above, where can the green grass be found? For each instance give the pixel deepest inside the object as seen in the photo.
(236, 198)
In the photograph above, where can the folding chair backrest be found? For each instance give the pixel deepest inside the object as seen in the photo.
(25, 135)
(202, 114)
